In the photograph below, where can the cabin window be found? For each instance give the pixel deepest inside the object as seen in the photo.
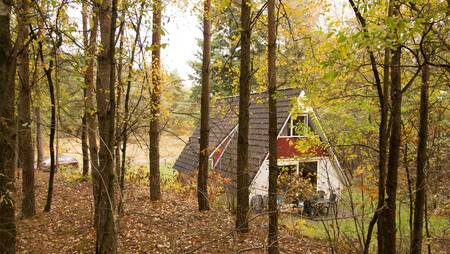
(285, 176)
(308, 170)
(299, 125)
(297, 180)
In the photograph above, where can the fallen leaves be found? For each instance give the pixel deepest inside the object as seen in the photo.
(172, 225)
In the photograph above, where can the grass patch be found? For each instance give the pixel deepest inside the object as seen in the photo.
(439, 225)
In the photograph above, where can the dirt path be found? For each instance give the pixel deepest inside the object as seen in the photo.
(172, 225)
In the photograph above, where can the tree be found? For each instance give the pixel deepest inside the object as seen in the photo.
(106, 239)
(48, 69)
(202, 189)
(419, 205)
(25, 138)
(273, 129)
(242, 206)
(383, 97)
(7, 132)
(124, 134)
(154, 133)
(90, 45)
(394, 144)
(84, 123)
(84, 142)
(39, 145)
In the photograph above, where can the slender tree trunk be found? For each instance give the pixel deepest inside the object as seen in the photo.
(7, 133)
(273, 130)
(383, 95)
(155, 189)
(84, 127)
(84, 142)
(39, 145)
(389, 230)
(84, 124)
(90, 109)
(202, 189)
(127, 110)
(48, 74)
(25, 138)
(242, 207)
(57, 85)
(416, 243)
(119, 99)
(383, 147)
(106, 239)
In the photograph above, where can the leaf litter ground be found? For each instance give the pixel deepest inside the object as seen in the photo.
(172, 225)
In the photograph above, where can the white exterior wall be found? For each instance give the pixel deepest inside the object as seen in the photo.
(260, 184)
(327, 177)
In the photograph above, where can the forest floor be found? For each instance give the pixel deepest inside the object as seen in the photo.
(172, 225)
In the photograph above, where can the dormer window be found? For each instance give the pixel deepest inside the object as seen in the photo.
(299, 125)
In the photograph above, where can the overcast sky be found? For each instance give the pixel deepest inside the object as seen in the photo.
(182, 31)
(184, 28)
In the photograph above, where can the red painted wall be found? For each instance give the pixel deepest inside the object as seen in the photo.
(287, 148)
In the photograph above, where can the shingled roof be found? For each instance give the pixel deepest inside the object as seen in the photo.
(224, 118)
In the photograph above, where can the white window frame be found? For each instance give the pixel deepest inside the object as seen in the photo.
(292, 127)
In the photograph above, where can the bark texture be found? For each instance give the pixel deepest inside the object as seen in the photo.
(39, 145)
(84, 123)
(106, 239)
(84, 142)
(90, 45)
(389, 230)
(7, 133)
(273, 130)
(202, 188)
(48, 73)
(383, 147)
(155, 188)
(244, 98)
(419, 206)
(25, 123)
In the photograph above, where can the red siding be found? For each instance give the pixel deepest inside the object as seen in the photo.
(287, 149)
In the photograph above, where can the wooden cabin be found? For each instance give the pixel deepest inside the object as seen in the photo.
(295, 124)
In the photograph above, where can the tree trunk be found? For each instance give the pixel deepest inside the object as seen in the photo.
(389, 230)
(48, 74)
(416, 244)
(84, 127)
(155, 189)
(119, 99)
(106, 239)
(84, 142)
(202, 189)
(48, 69)
(383, 95)
(7, 133)
(90, 50)
(383, 146)
(25, 137)
(273, 130)
(39, 145)
(126, 110)
(244, 100)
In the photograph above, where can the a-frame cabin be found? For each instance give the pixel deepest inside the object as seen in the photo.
(292, 129)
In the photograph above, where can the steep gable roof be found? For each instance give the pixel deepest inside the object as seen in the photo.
(224, 118)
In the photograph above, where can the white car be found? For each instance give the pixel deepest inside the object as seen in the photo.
(63, 160)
